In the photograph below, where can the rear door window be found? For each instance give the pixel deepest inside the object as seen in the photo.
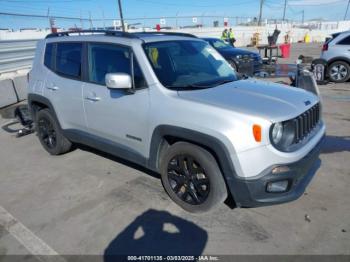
(68, 59)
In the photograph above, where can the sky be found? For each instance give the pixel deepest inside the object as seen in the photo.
(98, 9)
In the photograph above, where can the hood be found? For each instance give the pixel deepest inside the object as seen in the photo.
(232, 51)
(271, 101)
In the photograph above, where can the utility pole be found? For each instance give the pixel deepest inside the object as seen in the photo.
(48, 17)
(103, 17)
(81, 21)
(303, 16)
(346, 12)
(90, 19)
(284, 10)
(260, 13)
(121, 15)
(177, 13)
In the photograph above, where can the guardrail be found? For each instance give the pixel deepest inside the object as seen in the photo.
(16, 54)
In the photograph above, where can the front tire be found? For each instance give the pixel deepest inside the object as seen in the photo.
(50, 134)
(192, 178)
(339, 72)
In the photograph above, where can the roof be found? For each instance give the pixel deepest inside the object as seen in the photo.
(143, 36)
(162, 36)
(340, 33)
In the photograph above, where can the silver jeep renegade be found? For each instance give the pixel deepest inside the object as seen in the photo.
(171, 103)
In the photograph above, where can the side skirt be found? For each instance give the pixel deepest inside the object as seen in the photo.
(106, 145)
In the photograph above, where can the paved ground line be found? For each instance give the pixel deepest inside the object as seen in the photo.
(27, 238)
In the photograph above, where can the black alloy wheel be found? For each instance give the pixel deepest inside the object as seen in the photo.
(192, 178)
(188, 179)
(47, 133)
(50, 134)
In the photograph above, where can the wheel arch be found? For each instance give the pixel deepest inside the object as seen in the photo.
(38, 102)
(337, 59)
(230, 59)
(165, 135)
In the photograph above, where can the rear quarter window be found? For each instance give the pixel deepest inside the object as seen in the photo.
(344, 41)
(48, 58)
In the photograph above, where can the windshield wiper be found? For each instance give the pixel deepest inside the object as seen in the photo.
(200, 86)
(217, 83)
(188, 87)
(224, 82)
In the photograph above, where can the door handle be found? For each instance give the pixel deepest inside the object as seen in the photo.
(93, 99)
(53, 88)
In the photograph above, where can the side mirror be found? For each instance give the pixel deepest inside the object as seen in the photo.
(118, 81)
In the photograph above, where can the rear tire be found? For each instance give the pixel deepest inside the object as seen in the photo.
(192, 178)
(50, 134)
(339, 72)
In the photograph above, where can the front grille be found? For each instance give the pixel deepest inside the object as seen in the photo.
(306, 122)
(246, 57)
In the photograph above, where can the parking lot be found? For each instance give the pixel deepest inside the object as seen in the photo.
(88, 202)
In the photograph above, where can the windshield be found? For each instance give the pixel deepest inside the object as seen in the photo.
(188, 64)
(219, 44)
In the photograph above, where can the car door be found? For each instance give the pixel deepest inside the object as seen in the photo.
(63, 85)
(115, 115)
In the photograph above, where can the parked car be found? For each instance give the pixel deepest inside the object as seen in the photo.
(336, 51)
(238, 58)
(171, 103)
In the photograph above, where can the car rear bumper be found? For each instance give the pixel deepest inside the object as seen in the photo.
(254, 193)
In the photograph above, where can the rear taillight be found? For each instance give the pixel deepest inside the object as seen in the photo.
(325, 47)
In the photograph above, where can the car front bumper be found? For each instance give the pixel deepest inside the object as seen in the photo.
(257, 66)
(253, 192)
(248, 67)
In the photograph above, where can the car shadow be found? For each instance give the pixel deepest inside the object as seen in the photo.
(157, 233)
(117, 159)
(334, 144)
(229, 202)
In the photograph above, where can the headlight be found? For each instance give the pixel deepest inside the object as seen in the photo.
(238, 56)
(277, 132)
(282, 135)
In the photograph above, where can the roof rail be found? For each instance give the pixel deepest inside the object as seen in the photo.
(79, 32)
(117, 33)
(167, 33)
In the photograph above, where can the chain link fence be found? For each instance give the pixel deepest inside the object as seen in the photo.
(14, 22)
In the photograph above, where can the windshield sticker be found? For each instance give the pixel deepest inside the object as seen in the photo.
(154, 55)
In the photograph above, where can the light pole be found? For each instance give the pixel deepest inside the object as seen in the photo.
(260, 13)
(284, 10)
(346, 12)
(121, 15)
